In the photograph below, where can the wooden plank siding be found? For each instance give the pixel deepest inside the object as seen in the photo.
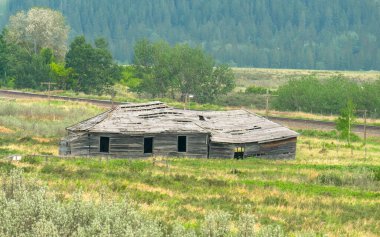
(279, 149)
(133, 146)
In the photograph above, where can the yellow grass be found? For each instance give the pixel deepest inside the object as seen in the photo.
(272, 78)
(6, 130)
(304, 115)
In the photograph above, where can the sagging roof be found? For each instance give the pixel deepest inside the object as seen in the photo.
(234, 126)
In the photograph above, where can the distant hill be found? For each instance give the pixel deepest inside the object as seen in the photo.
(323, 34)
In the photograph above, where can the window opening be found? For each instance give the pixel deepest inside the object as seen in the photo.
(182, 143)
(148, 145)
(104, 144)
(239, 152)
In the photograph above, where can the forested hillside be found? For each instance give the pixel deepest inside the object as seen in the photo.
(323, 34)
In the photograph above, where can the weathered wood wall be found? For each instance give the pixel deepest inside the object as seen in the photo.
(221, 150)
(166, 145)
(279, 149)
(285, 149)
(133, 146)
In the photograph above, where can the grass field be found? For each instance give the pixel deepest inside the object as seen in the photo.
(329, 189)
(273, 78)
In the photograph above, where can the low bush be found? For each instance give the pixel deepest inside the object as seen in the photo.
(256, 90)
(27, 209)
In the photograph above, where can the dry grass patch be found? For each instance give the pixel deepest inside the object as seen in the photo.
(273, 78)
(6, 130)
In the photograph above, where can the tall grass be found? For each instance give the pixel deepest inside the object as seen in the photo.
(27, 209)
(41, 118)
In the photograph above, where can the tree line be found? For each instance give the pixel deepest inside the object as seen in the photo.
(324, 34)
(326, 96)
(34, 50)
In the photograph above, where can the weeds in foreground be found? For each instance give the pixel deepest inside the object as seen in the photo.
(29, 210)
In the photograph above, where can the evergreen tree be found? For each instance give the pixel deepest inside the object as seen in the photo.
(286, 34)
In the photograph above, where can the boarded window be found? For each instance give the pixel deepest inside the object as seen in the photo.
(104, 144)
(148, 145)
(182, 143)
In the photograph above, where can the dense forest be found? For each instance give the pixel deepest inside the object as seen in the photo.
(324, 34)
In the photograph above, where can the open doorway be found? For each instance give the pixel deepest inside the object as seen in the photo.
(239, 153)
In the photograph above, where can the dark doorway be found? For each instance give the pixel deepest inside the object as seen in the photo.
(148, 145)
(182, 143)
(239, 153)
(104, 144)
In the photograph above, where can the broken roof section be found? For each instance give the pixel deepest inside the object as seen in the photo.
(235, 126)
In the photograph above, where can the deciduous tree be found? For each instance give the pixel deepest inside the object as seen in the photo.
(93, 67)
(37, 29)
(180, 70)
(346, 121)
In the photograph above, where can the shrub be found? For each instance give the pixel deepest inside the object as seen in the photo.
(257, 90)
(27, 209)
(246, 225)
(216, 224)
(271, 231)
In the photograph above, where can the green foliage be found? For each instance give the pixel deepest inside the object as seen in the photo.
(62, 75)
(346, 121)
(256, 90)
(327, 96)
(27, 210)
(37, 29)
(94, 68)
(25, 70)
(128, 78)
(183, 70)
(256, 33)
(3, 57)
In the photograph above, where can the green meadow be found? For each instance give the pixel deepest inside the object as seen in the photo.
(329, 189)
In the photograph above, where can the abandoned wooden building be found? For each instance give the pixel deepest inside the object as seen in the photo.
(155, 129)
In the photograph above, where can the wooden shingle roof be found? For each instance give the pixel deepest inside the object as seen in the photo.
(234, 126)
